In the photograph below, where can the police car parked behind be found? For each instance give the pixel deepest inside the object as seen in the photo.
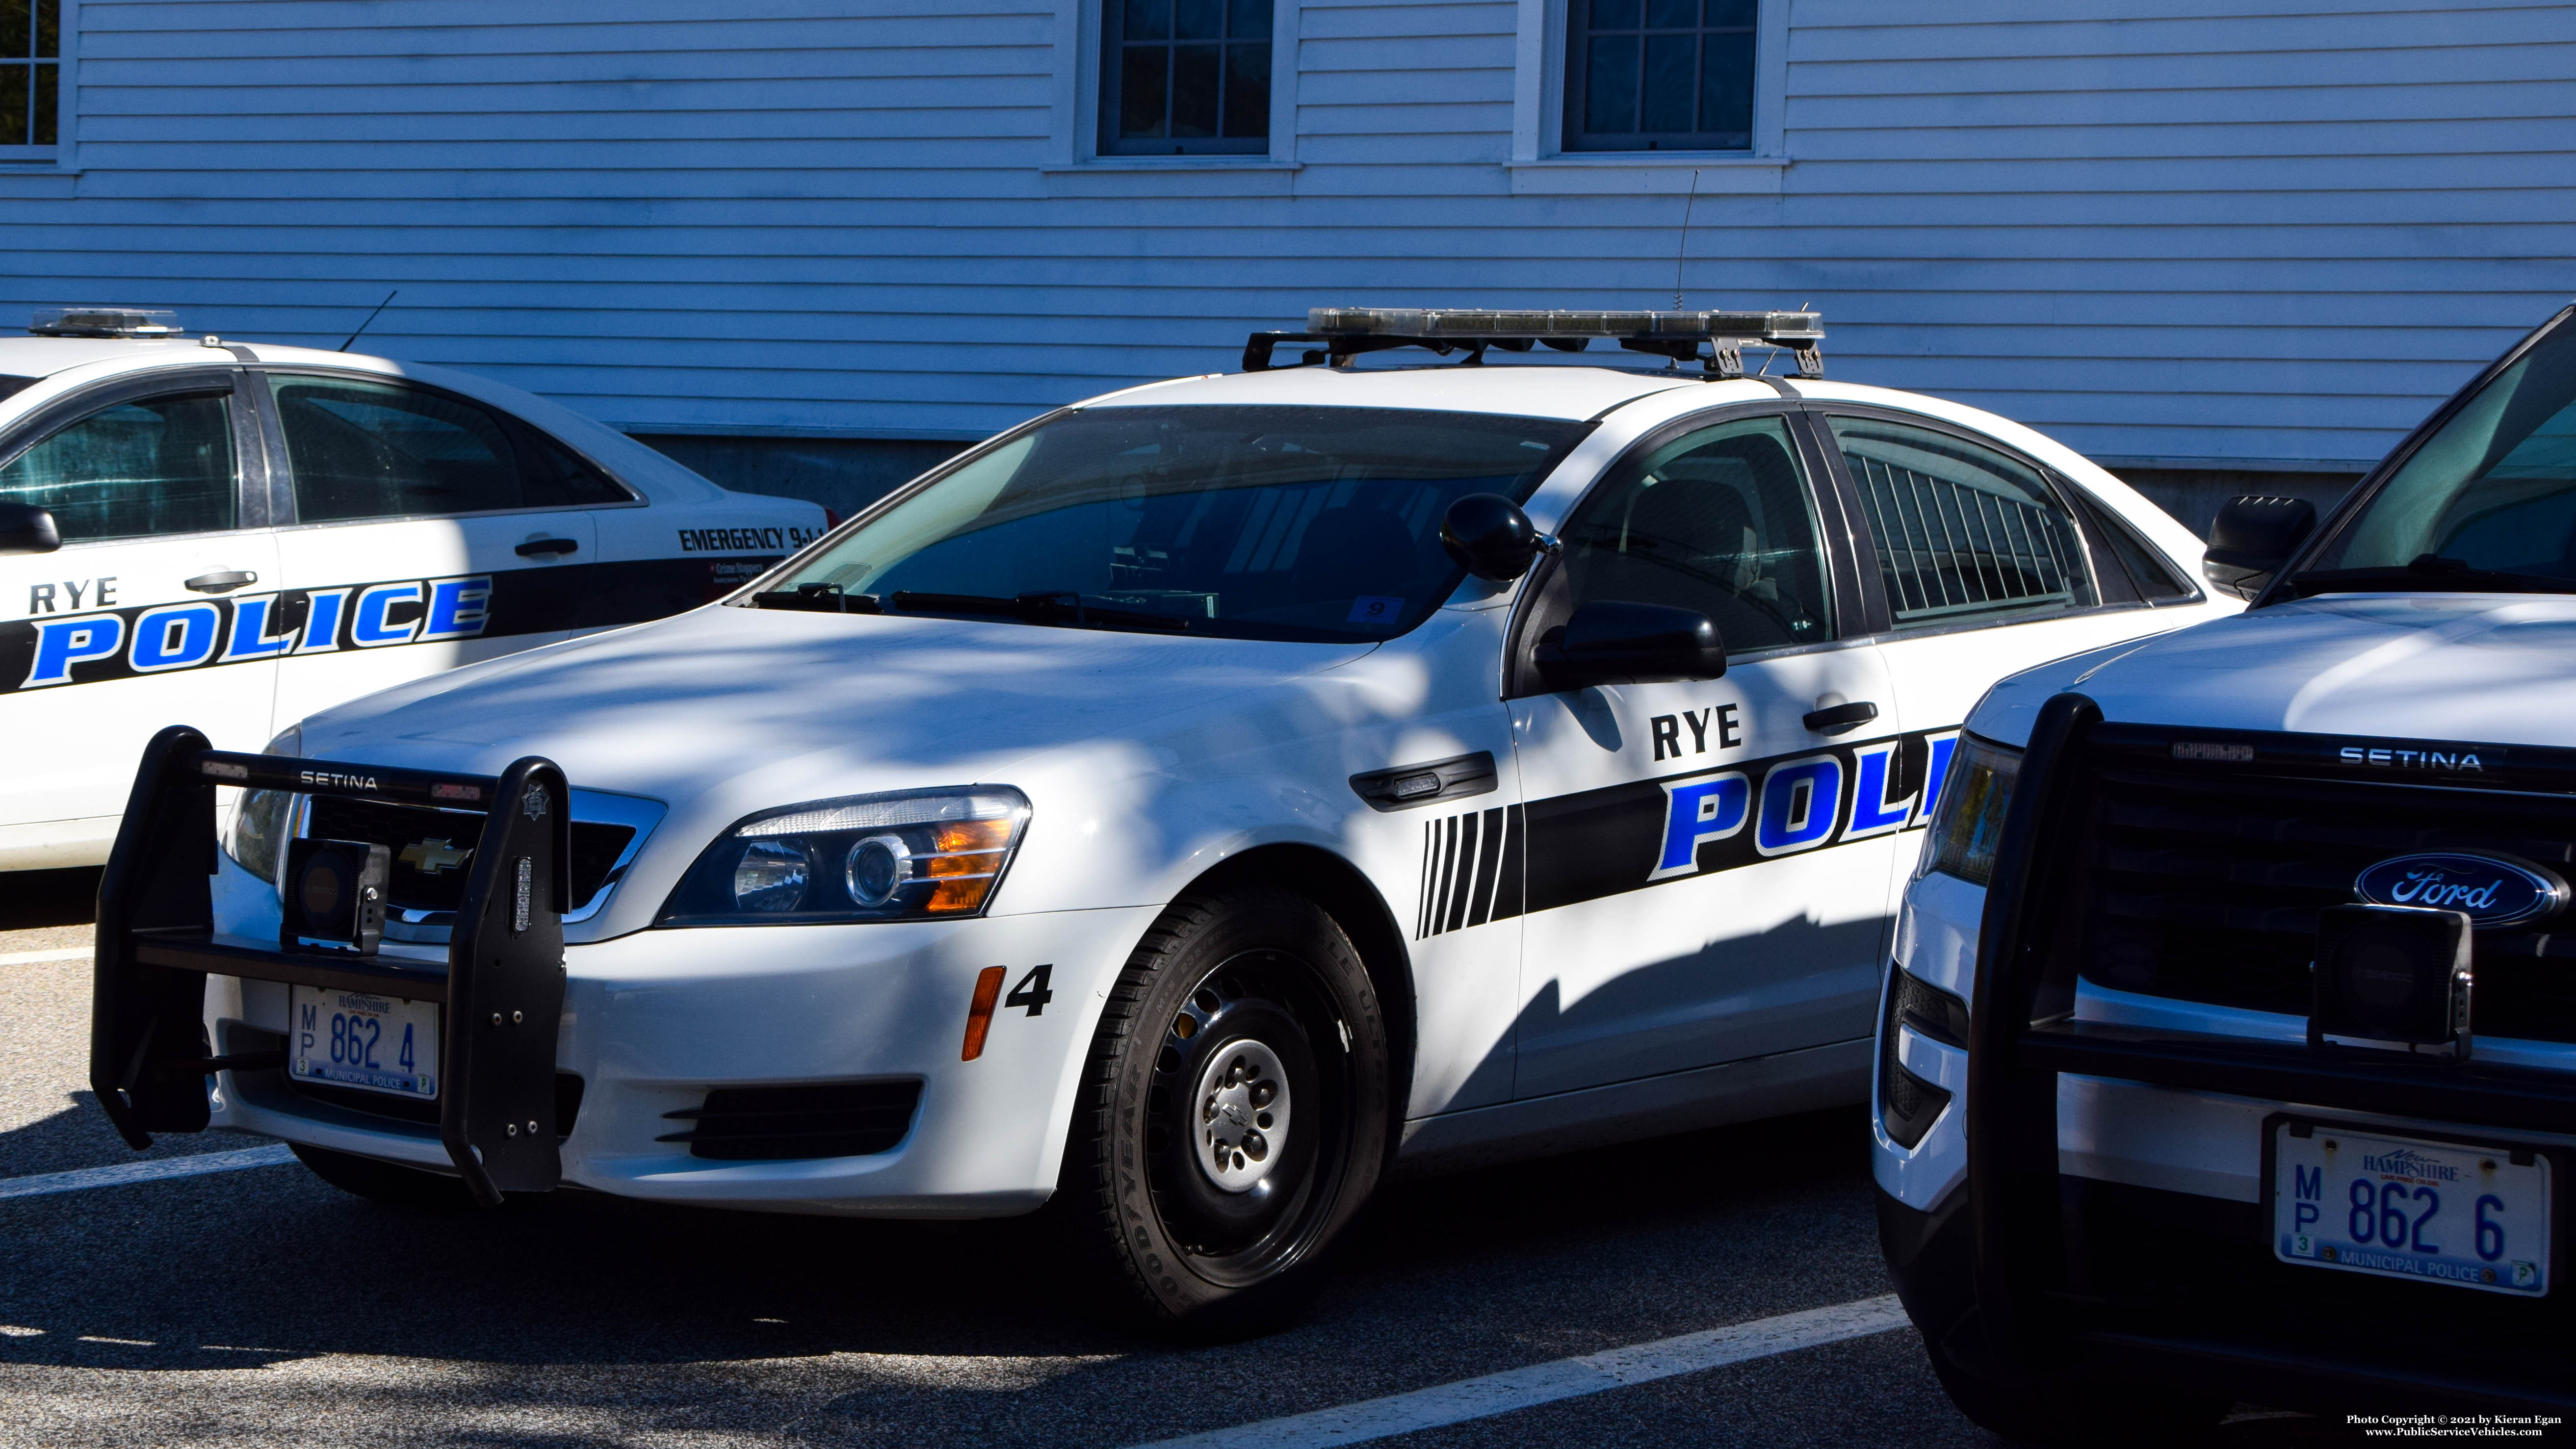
(240, 535)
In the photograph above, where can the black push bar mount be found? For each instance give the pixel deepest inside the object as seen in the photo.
(500, 994)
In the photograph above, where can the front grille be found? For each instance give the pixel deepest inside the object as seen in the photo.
(770, 1124)
(433, 848)
(2204, 884)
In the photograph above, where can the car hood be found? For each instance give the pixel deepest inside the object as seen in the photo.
(774, 707)
(2480, 667)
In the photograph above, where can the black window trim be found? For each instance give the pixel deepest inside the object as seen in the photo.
(1843, 578)
(252, 487)
(1108, 19)
(1574, 141)
(2097, 556)
(273, 434)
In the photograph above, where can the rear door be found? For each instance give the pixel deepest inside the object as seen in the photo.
(158, 609)
(429, 530)
(1705, 860)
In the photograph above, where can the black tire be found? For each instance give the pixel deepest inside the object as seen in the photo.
(2080, 1416)
(1252, 998)
(386, 1182)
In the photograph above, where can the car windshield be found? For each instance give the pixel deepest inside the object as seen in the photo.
(2492, 492)
(1292, 523)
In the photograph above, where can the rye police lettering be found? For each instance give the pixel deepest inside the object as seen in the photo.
(1666, 730)
(2393, 758)
(97, 647)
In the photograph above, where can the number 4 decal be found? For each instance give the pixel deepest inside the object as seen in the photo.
(1032, 991)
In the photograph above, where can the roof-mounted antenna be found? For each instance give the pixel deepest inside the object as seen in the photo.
(372, 316)
(1683, 250)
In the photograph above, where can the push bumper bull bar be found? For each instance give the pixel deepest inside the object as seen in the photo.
(500, 996)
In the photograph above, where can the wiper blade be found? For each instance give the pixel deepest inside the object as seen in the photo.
(818, 599)
(2427, 571)
(1041, 606)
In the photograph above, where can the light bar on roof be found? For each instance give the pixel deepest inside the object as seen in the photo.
(1785, 329)
(97, 321)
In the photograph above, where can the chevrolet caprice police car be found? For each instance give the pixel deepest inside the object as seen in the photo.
(2229, 1051)
(1184, 806)
(239, 535)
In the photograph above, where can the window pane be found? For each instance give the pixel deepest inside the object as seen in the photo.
(366, 450)
(13, 105)
(159, 466)
(1669, 74)
(1733, 12)
(1194, 90)
(46, 77)
(1726, 87)
(1140, 91)
(49, 34)
(1964, 532)
(1614, 14)
(1198, 19)
(1247, 90)
(1610, 84)
(1719, 521)
(1672, 14)
(15, 31)
(1248, 20)
(1147, 20)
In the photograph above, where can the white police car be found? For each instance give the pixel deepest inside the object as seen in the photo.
(239, 535)
(2230, 1049)
(1185, 805)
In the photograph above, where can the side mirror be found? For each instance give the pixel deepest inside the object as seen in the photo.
(2252, 538)
(1612, 642)
(25, 528)
(1490, 537)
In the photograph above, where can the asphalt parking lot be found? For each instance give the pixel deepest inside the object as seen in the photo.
(256, 1305)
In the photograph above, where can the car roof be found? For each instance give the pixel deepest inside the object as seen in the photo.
(45, 356)
(1542, 390)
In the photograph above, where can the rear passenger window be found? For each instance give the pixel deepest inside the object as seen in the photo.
(1965, 534)
(374, 450)
(2146, 565)
(158, 465)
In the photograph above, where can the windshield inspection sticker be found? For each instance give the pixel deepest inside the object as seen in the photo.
(1375, 609)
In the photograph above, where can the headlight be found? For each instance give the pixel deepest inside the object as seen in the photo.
(905, 856)
(1968, 819)
(265, 819)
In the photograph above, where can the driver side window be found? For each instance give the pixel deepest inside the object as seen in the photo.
(1720, 521)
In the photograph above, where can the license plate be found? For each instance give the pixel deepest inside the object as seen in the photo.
(372, 1043)
(2410, 1207)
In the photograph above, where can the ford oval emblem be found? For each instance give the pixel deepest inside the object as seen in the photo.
(2492, 890)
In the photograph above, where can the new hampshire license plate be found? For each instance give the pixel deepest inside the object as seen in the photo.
(2410, 1207)
(372, 1043)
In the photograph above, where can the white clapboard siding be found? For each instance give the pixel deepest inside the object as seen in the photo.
(2160, 229)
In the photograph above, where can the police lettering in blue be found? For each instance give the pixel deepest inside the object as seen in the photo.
(163, 638)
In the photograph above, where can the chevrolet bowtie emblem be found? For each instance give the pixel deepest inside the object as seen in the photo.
(429, 857)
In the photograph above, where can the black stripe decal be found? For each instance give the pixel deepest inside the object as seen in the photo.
(1489, 854)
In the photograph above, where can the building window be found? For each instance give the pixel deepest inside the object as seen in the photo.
(1659, 75)
(31, 47)
(1183, 77)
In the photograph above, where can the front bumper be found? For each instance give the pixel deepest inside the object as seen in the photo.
(655, 1020)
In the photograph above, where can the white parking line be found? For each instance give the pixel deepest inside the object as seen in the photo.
(156, 1170)
(1545, 1383)
(30, 958)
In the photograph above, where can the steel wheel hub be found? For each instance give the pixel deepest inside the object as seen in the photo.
(1241, 1115)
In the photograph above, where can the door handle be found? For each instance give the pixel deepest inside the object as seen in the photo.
(1837, 718)
(546, 547)
(222, 581)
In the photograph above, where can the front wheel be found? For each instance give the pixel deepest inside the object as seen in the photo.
(1235, 1113)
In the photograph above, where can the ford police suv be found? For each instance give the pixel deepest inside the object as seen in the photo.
(2230, 1047)
(240, 535)
(1183, 806)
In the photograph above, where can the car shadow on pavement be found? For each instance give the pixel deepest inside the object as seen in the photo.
(36, 899)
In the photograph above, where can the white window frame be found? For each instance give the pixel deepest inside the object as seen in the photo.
(58, 157)
(1540, 164)
(1073, 139)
